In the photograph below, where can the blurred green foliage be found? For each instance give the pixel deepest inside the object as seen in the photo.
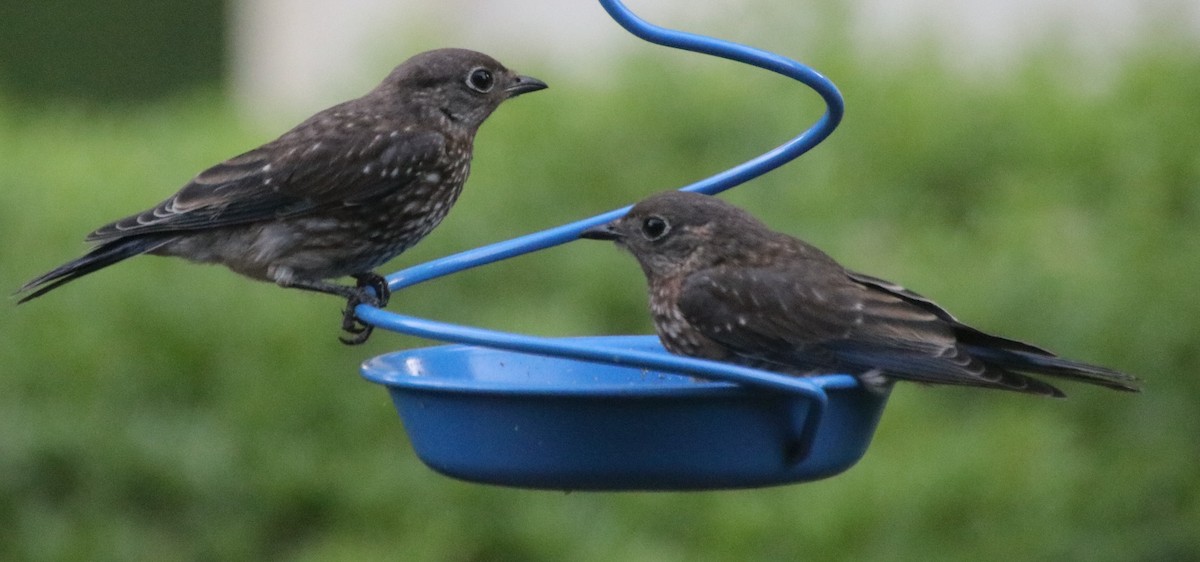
(103, 52)
(161, 410)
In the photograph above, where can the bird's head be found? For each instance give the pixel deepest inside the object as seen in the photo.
(676, 233)
(463, 86)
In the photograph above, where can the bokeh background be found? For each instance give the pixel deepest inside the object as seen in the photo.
(1033, 169)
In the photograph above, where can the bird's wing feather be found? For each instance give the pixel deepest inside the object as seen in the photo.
(292, 175)
(965, 334)
(811, 317)
(784, 307)
(1009, 354)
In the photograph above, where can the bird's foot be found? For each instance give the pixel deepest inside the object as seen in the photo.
(373, 291)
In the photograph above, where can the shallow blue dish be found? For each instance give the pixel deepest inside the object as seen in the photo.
(534, 421)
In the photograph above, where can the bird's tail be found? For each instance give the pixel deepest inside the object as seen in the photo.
(1049, 364)
(100, 257)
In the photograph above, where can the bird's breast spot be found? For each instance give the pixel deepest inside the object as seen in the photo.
(433, 177)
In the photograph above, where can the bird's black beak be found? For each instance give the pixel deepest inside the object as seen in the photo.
(524, 85)
(602, 232)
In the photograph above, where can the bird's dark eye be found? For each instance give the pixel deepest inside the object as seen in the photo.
(481, 80)
(654, 228)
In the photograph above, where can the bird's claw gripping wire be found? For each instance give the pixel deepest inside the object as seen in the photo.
(373, 291)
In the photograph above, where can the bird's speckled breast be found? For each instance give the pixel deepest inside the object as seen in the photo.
(674, 331)
(397, 221)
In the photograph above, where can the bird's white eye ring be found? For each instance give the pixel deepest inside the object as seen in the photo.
(654, 228)
(481, 80)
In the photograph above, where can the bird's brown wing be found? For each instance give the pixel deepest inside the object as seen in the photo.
(813, 317)
(292, 175)
(1004, 353)
(964, 334)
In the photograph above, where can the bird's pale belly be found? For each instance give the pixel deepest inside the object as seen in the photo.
(340, 242)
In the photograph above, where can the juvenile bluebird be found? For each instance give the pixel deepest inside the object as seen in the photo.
(724, 286)
(338, 195)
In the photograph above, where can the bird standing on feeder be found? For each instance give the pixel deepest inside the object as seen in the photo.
(723, 286)
(340, 194)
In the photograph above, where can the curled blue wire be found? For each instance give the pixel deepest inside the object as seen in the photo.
(569, 232)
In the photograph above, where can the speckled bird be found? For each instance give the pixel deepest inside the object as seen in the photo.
(338, 195)
(724, 286)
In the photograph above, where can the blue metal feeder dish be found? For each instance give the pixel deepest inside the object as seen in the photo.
(619, 412)
(538, 421)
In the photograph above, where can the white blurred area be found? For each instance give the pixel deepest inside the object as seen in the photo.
(292, 57)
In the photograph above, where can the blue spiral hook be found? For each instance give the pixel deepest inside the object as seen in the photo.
(569, 232)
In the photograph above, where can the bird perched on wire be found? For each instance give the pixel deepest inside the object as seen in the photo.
(724, 286)
(340, 194)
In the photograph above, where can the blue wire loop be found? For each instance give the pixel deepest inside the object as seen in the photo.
(566, 233)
